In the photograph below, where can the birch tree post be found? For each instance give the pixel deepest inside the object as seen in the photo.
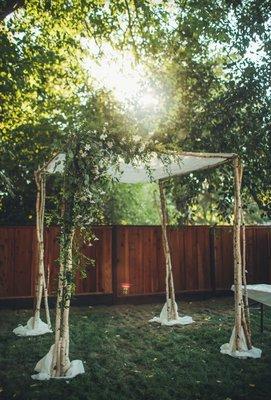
(60, 362)
(169, 314)
(35, 326)
(244, 272)
(88, 155)
(41, 284)
(240, 345)
(172, 313)
(245, 307)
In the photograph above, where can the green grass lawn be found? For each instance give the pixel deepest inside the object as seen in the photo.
(125, 357)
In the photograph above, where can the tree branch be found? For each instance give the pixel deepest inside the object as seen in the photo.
(130, 25)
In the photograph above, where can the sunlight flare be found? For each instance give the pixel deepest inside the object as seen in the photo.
(120, 73)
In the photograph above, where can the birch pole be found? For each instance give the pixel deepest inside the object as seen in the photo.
(61, 362)
(244, 271)
(45, 282)
(170, 292)
(55, 367)
(40, 280)
(240, 315)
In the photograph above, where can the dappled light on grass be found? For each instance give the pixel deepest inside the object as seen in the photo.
(126, 357)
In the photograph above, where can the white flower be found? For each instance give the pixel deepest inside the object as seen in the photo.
(87, 147)
(103, 136)
(137, 138)
(110, 145)
(96, 171)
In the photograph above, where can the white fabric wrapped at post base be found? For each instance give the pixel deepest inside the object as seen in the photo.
(230, 349)
(43, 368)
(163, 318)
(27, 330)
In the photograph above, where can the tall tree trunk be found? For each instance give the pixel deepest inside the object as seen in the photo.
(55, 369)
(46, 304)
(61, 362)
(244, 272)
(240, 314)
(170, 291)
(40, 279)
(45, 282)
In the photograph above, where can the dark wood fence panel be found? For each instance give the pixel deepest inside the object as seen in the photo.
(202, 259)
(18, 261)
(141, 262)
(199, 257)
(51, 256)
(140, 259)
(190, 249)
(223, 243)
(258, 255)
(99, 273)
(7, 261)
(128, 258)
(23, 257)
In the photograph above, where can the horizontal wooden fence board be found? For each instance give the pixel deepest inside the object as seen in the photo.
(202, 259)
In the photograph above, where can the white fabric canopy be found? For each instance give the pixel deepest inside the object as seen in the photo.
(56, 164)
(156, 168)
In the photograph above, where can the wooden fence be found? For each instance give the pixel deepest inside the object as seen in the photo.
(201, 255)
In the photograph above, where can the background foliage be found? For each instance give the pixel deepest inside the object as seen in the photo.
(209, 61)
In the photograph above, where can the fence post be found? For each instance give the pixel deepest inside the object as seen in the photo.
(212, 241)
(114, 262)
